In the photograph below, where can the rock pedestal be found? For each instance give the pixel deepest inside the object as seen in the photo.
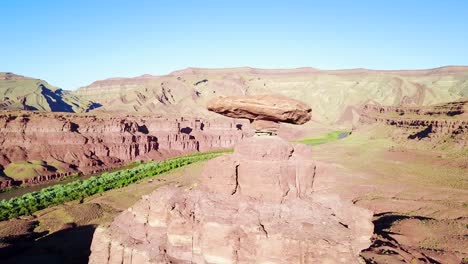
(265, 168)
(254, 206)
(265, 128)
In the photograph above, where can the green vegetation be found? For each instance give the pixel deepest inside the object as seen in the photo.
(58, 194)
(21, 170)
(331, 136)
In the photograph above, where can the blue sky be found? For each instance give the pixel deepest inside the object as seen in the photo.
(72, 43)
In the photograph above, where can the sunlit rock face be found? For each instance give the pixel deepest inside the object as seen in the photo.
(70, 143)
(256, 205)
(277, 108)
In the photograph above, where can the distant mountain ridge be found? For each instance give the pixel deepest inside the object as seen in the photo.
(24, 93)
(335, 95)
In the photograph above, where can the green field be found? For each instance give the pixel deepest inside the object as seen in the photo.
(329, 137)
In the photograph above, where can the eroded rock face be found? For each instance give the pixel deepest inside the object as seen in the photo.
(90, 142)
(176, 226)
(266, 168)
(254, 206)
(275, 108)
(437, 123)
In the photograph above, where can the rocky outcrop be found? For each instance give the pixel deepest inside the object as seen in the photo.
(254, 206)
(438, 122)
(276, 108)
(266, 168)
(89, 142)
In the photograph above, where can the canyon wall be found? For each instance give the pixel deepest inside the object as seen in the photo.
(437, 123)
(46, 144)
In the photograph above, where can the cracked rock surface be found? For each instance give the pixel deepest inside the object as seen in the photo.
(254, 206)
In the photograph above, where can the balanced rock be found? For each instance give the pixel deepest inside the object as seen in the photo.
(256, 205)
(275, 108)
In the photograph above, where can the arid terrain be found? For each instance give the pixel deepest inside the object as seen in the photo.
(382, 166)
(336, 95)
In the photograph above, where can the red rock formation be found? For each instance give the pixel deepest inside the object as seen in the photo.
(277, 108)
(265, 168)
(437, 122)
(90, 142)
(255, 206)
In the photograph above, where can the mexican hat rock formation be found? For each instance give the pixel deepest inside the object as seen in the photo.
(277, 108)
(263, 111)
(257, 205)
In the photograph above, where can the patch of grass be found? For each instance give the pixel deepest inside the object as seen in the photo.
(24, 169)
(329, 137)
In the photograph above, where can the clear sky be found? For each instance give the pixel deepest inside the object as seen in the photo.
(72, 43)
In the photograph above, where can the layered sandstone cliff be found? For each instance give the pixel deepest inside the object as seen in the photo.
(436, 123)
(71, 143)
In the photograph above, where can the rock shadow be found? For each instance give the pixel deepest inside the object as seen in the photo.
(70, 245)
(143, 129)
(92, 106)
(384, 221)
(55, 101)
(422, 134)
(186, 130)
(384, 243)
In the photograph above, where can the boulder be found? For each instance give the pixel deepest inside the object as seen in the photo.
(276, 108)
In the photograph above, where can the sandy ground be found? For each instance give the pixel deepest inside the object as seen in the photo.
(419, 198)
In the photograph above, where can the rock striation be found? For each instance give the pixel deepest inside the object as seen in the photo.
(276, 108)
(257, 205)
(86, 143)
(253, 206)
(436, 123)
(266, 168)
